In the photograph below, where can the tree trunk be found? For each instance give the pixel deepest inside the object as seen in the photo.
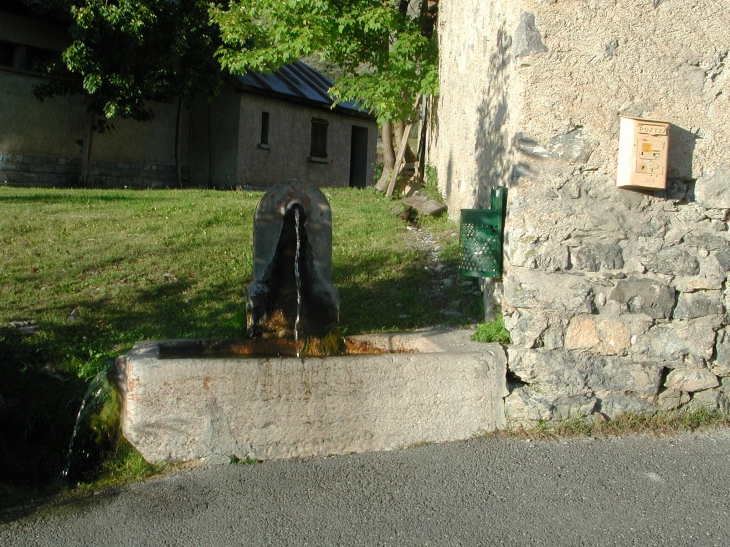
(178, 128)
(388, 156)
(86, 149)
(398, 137)
(210, 149)
(421, 152)
(398, 128)
(399, 159)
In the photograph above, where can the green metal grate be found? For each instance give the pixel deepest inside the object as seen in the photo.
(480, 238)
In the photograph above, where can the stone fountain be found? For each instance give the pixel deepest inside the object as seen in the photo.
(212, 400)
(292, 291)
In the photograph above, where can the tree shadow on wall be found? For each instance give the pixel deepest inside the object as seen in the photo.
(491, 149)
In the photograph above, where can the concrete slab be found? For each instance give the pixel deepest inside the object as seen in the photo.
(440, 387)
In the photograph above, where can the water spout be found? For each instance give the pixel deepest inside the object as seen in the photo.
(292, 294)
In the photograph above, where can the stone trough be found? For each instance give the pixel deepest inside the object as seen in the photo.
(431, 386)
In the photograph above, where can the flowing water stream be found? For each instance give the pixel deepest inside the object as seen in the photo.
(298, 280)
(80, 453)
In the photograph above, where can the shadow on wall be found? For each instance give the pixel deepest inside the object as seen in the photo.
(491, 148)
(681, 151)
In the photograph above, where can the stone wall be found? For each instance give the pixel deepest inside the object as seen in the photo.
(287, 154)
(616, 300)
(58, 172)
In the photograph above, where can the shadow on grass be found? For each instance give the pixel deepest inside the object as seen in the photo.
(411, 297)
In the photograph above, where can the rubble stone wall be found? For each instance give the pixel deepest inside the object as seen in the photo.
(616, 300)
(58, 172)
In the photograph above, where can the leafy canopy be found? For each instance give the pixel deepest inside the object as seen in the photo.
(386, 59)
(126, 53)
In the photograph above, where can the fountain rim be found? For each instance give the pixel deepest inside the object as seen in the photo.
(425, 341)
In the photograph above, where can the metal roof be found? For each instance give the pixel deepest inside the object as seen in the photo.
(296, 82)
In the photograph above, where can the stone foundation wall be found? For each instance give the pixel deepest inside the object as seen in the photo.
(616, 300)
(59, 172)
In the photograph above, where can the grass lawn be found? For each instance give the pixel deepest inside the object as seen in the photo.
(97, 270)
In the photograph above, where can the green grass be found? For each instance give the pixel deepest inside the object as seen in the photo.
(660, 423)
(493, 331)
(140, 265)
(125, 464)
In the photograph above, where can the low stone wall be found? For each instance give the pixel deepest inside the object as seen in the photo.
(50, 171)
(36, 170)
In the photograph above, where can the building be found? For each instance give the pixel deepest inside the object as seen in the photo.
(617, 300)
(261, 128)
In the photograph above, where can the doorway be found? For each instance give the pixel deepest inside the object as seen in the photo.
(359, 157)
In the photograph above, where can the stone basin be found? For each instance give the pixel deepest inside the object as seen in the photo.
(428, 386)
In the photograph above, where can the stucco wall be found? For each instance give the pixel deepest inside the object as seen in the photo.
(616, 300)
(32, 32)
(145, 142)
(213, 151)
(28, 126)
(39, 140)
(51, 131)
(289, 144)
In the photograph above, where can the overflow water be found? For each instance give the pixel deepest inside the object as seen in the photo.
(298, 280)
(96, 426)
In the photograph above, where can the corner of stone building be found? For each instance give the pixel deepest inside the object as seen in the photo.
(616, 300)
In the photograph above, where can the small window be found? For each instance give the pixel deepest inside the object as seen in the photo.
(6, 54)
(264, 128)
(36, 58)
(319, 138)
(24, 57)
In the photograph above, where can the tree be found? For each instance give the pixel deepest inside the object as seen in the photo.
(384, 48)
(126, 54)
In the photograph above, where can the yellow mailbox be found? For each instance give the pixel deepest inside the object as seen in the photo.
(642, 153)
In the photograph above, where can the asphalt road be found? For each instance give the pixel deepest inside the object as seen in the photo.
(622, 491)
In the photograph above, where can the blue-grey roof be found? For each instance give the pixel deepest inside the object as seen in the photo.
(296, 82)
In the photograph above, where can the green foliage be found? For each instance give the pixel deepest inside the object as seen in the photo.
(492, 332)
(430, 187)
(235, 460)
(104, 421)
(385, 58)
(659, 423)
(125, 464)
(127, 53)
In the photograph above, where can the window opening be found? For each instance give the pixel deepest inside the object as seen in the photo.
(22, 57)
(264, 128)
(36, 58)
(319, 138)
(7, 53)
